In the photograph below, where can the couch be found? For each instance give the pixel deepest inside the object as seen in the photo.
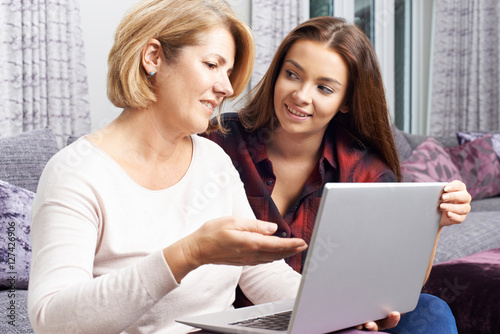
(464, 252)
(466, 270)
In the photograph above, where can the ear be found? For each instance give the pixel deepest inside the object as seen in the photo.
(151, 57)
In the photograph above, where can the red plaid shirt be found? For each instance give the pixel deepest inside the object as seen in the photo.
(342, 160)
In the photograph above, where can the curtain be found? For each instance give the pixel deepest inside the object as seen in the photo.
(271, 22)
(465, 85)
(43, 79)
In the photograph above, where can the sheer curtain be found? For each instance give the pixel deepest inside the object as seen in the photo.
(43, 79)
(465, 67)
(271, 22)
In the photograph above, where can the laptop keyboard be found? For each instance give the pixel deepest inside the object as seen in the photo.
(277, 321)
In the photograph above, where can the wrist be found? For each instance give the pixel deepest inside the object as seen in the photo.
(180, 259)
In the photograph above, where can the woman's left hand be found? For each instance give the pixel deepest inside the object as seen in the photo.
(374, 326)
(455, 203)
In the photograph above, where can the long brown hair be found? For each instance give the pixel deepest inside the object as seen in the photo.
(368, 118)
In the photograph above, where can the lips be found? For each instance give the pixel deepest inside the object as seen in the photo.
(296, 112)
(209, 105)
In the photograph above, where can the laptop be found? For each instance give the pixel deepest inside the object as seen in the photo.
(368, 256)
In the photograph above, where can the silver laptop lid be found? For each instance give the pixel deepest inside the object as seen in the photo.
(368, 254)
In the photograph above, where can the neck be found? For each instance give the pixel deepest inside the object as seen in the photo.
(138, 133)
(295, 147)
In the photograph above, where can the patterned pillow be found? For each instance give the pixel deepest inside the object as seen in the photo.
(15, 241)
(429, 162)
(24, 156)
(465, 137)
(479, 166)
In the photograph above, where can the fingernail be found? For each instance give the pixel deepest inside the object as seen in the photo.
(271, 227)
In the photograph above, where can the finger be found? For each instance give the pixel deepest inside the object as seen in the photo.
(371, 326)
(277, 244)
(455, 185)
(257, 226)
(460, 197)
(458, 209)
(391, 321)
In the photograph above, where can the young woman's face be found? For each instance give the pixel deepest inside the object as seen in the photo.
(310, 88)
(189, 89)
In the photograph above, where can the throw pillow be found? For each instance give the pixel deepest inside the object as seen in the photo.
(15, 242)
(465, 137)
(23, 157)
(479, 167)
(429, 162)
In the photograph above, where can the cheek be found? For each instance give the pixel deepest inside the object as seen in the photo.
(281, 90)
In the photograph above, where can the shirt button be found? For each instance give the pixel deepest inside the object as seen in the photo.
(283, 234)
(269, 182)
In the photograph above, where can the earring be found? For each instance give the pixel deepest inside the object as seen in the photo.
(151, 73)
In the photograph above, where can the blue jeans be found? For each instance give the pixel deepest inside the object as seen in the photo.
(432, 315)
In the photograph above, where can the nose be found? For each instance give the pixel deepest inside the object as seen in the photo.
(302, 94)
(224, 87)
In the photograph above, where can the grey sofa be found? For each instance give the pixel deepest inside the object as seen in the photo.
(466, 271)
(480, 231)
(23, 157)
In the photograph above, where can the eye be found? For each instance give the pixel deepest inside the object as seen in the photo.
(326, 90)
(210, 65)
(291, 75)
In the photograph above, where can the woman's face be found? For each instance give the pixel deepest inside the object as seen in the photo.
(310, 88)
(190, 89)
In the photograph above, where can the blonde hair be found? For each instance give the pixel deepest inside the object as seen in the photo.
(175, 24)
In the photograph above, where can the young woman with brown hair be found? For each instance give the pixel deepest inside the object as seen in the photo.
(319, 115)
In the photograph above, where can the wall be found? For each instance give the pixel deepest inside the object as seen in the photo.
(99, 21)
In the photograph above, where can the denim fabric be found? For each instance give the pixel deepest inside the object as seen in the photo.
(432, 315)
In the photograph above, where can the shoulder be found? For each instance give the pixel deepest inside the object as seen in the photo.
(209, 151)
(78, 164)
(234, 140)
(357, 162)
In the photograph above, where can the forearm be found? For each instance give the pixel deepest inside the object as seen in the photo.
(431, 261)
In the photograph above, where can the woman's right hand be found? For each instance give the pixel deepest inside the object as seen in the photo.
(230, 241)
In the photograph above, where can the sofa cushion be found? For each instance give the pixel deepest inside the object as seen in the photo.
(445, 141)
(479, 232)
(402, 146)
(23, 157)
(467, 283)
(479, 167)
(465, 137)
(429, 162)
(18, 322)
(15, 242)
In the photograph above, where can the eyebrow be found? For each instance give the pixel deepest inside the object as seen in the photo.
(222, 60)
(325, 79)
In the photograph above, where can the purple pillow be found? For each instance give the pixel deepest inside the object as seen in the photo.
(15, 241)
(465, 137)
(470, 286)
(429, 162)
(479, 166)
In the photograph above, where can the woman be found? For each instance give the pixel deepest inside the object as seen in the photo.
(319, 115)
(142, 222)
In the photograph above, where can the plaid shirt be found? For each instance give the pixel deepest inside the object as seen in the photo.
(342, 160)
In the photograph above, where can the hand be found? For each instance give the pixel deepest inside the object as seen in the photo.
(455, 203)
(391, 321)
(240, 241)
(230, 241)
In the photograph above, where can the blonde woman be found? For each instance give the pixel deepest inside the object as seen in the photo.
(143, 222)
